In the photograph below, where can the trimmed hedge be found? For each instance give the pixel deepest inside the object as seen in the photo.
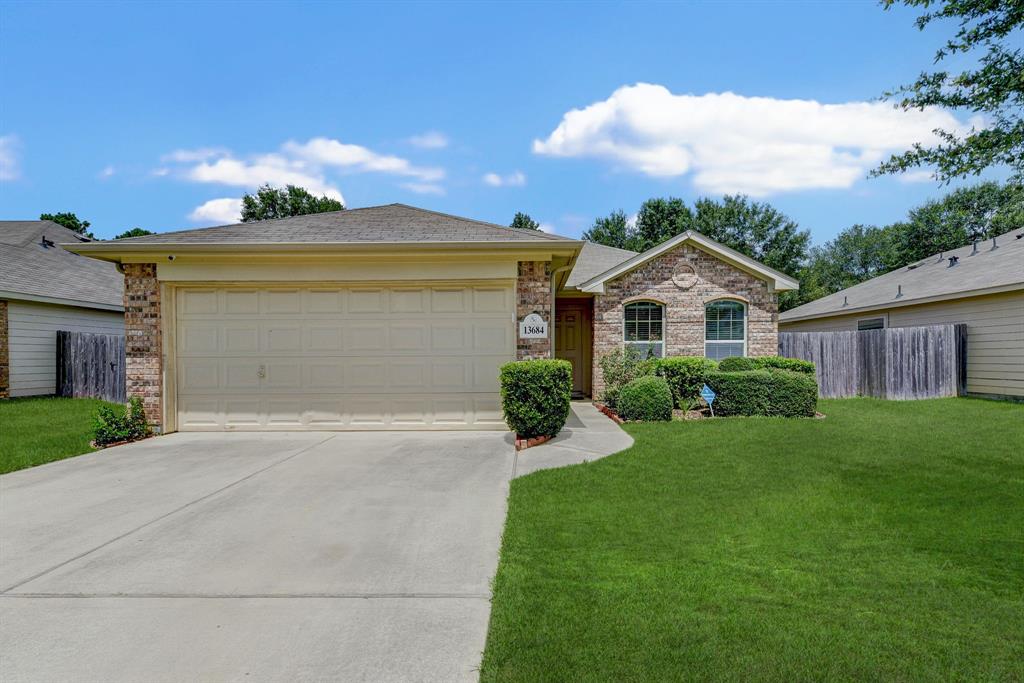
(646, 398)
(535, 396)
(744, 363)
(778, 393)
(619, 368)
(685, 376)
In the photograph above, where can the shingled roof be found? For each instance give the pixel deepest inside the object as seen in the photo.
(595, 259)
(392, 223)
(993, 265)
(36, 271)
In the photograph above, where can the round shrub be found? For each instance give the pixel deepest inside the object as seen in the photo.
(535, 396)
(647, 399)
(738, 364)
(685, 376)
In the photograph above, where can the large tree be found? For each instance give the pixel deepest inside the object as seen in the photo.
(522, 221)
(660, 219)
(965, 215)
(134, 232)
(988, 40)
(856, 254)
(70, 221)
(274, 202)
(612, 230)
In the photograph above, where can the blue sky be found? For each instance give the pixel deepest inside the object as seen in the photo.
(162, 115)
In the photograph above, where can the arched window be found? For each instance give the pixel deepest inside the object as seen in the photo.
(725, 329)
(644, 328)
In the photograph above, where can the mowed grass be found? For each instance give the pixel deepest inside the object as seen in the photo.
(43, 429)
(883, 543)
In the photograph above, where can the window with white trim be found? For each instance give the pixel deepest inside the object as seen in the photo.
(725, 329)
(644, 328)
(871, 324)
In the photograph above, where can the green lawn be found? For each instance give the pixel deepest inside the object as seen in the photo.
(885, 542)
(38, 430)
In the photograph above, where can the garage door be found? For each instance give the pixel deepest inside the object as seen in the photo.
(400, 357)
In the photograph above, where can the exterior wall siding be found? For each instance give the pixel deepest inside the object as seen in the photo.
(995, 335)
(533, 295)
(32, 341)
(143, 350)
(5, 377)
(684, 308)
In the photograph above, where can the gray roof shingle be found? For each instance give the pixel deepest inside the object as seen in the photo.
(28, 267)
(595, 259)
(391, 223)
(931, 278)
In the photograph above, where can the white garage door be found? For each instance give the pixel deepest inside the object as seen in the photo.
(401, 357)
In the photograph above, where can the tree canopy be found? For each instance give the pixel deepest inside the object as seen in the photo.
(70, 221)
(274, 202)
(134, 232)
(992, 88)
(522, 221)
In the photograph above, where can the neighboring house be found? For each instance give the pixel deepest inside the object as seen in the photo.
(43, 289)
(981, 285)
(394, 317)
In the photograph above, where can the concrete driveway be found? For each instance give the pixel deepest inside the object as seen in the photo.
(219, 557)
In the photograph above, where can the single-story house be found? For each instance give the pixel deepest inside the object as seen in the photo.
(395, 317)
(43, 289)
(980, 285)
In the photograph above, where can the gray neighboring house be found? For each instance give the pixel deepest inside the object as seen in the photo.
(980, 285)
(43, 289)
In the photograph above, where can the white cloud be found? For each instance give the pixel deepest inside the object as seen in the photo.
(916, 176)
(218, 211)
(10, 163)
(185, 156)
(269, 168)
(424, 188)
(161, 172)
(515, 179)
(547, 227)
(107, 172)
(432, 139)
(732, 143)
(328, 152)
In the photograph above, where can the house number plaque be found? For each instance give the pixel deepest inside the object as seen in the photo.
(533, 327)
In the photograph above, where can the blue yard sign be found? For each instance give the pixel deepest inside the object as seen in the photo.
(708, 394)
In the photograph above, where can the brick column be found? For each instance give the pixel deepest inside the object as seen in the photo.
(5, 367)
(143, 352)
(533, 295)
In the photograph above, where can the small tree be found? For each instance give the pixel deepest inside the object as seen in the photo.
(70, 221)
(522, 221)
(134, 232)
(274, 202)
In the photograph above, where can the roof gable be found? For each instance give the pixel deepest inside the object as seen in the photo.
(780, 281)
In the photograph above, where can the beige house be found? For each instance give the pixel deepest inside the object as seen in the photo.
(394, 317)
(981, 285)
(43, 289)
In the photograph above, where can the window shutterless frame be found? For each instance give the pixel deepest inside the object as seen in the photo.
(876, 323)
(643, 327)
(725, 329)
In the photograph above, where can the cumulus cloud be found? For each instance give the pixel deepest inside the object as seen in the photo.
(218, 211)
(328, 152)
(515, 179)
(547, 227)
(185, 156)
(432, 139)
(107, 172)
(268, 168)
(424, 188)
(10, 163)
(731, 143)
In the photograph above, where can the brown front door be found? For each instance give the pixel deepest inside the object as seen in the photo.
(572, 340)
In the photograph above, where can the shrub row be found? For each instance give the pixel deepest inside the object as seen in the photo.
(110, 426)
(739, 364)
(781, 393)
(535, 396)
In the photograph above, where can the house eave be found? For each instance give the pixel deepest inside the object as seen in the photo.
(76, 303)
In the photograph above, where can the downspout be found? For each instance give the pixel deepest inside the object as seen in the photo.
(551, 324)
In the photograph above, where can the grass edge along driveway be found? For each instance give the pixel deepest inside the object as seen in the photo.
(884, 542)
(41, 429)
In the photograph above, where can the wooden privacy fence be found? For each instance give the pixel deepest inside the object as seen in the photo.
(896, 363)
(91, 366)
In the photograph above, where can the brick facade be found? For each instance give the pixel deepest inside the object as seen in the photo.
(533, 295)
(5, 364)
(684, 308)
(143, 351)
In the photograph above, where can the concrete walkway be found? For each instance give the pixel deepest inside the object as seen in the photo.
(588, 435)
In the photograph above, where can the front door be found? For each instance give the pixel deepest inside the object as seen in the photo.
(572, 340)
